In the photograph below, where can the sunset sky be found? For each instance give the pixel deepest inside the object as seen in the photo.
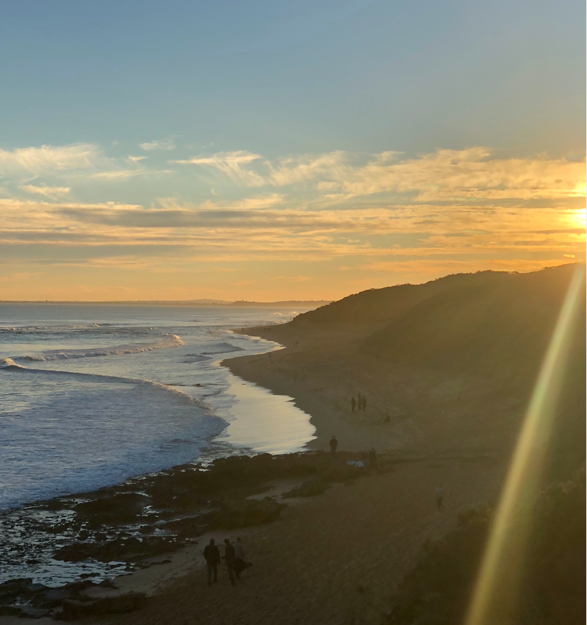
(285, 150)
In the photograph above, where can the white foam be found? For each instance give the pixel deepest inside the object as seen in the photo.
(96, 377)
(8, 362)
(170, 340)
(223, 348)
(52, 328)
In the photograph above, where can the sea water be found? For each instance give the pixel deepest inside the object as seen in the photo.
(91, 395)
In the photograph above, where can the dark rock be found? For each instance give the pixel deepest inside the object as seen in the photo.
(19, 590)
(52, 597)
(9, 610)
(309, 488)
(190, 526)
(116, 508)
(30, 612)
(240, 513)
(119, 549)
(121, 604)
(77, 587)
(107, 583)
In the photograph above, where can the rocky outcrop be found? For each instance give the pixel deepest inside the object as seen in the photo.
(126, 549)
(74, 609)
(309, 488)
(25, 599)
(244, 512)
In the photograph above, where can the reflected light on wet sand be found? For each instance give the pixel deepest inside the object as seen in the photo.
(264, 422)
(497, 588)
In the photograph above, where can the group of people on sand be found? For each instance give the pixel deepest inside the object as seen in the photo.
(234, 558)
(360, 403)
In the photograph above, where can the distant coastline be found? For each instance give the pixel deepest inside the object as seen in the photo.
(203, 302)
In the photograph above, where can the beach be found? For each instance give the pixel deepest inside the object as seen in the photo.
(333, 558)
(336, 557)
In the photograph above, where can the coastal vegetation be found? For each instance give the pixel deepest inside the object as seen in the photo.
(552, 590)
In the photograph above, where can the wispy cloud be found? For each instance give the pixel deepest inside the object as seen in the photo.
(47, 159)
(157, 145)
(271, 230)
(362, 217)
(123, 174)
(232, 164)
(59, 169)
(50, 192)
(445, 175)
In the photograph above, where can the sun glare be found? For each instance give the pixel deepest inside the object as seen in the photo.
(578, 217)
(497, 590)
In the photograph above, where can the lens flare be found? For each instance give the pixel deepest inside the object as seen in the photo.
(497, 589)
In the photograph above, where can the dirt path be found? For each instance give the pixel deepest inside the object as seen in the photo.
(335, 558)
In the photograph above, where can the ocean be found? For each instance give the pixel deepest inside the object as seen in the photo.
(91, 395)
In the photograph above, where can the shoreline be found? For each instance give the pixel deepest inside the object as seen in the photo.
(359, 499)
(160, 577)
(217, 445)
(326, 404)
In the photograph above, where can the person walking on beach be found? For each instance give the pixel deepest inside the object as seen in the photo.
(373, 458)
(364, 403)
(212, 557)
(239, 558)
(359, 401)
(229, 559)
(439, 497)
(353, 404)
(333, 445)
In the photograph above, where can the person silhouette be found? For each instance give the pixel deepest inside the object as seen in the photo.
(239, 561)
(212, 557)
(333, 445)
(353, 404)
(439, 497)
(229, 559)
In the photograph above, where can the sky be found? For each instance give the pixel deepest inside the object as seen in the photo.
(270, 150)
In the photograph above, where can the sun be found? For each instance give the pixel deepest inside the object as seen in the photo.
(578, 218)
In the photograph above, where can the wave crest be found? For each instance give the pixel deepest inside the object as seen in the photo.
(168, 341)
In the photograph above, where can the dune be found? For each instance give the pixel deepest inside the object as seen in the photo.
(445, 366)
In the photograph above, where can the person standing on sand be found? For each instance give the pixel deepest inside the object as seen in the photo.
(239, 558)
(212, 556)
(229, 559)
(333, 445)
(439, 497)
(359, 401)
(364, 403)
(353, 404)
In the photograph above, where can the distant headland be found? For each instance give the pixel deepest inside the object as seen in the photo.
(195, 302)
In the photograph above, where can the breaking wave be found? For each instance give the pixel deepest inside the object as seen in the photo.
(168, 341)
(8, 363)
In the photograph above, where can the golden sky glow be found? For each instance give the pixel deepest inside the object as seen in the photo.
(308, 226)
(286, 150)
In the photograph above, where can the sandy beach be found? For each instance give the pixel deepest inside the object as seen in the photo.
(334, 558)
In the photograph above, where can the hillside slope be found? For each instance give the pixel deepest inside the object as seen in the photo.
(498, 325)
(447, 365)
